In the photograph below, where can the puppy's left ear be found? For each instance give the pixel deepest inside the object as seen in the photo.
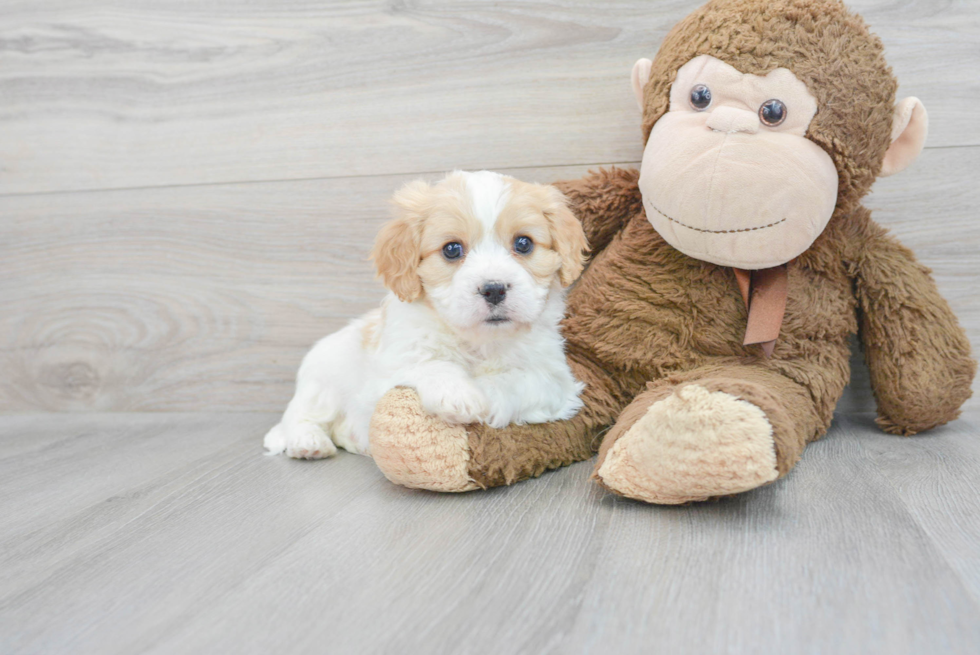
(398, 247)
(567, 236)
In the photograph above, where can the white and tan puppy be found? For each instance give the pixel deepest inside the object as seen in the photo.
(476, 266)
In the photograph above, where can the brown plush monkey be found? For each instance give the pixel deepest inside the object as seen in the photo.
(711, 327)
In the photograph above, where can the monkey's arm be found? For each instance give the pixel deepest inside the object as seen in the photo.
(415, 449)
(603, 201)
(919, 356)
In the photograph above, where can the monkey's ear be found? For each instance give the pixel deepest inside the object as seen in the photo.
(641, 75)
(909, 128)
(397, 248)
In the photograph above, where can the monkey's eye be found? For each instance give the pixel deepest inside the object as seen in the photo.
(452, 250)
(772, 112)
(523, 245)
(700, 97)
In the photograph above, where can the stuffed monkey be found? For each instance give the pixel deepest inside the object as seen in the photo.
(711, 326)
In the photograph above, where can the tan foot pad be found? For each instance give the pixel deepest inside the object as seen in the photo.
(417, 450)
(692, 445)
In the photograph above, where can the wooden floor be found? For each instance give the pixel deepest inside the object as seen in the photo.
(171, 533)
(188, 192)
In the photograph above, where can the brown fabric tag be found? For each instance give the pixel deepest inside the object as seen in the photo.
(764, 294)
(744, 279)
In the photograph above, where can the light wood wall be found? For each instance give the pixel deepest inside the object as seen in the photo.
(188, 191)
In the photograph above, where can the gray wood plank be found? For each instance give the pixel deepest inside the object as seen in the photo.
(140, 300)
(206, 298)
(95, 519)
(936, 476)
(136, 462)
(126, 94)
(220, 549)
(827, 561)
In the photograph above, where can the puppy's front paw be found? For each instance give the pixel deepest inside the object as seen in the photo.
(499, 419)
(455, 401)
(299, 441)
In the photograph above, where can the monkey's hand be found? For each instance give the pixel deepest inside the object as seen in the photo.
(603, 201)
(416, 449)
(919, 356)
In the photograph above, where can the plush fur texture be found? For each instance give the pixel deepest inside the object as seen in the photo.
(691, 445)
(825, 45)
(721, 186)
(415, 449)
(646, 322)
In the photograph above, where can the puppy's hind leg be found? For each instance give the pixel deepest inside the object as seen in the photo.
(314, 423)
(299, 440)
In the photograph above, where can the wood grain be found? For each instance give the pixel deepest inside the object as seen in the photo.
(206, 298)
(140, 300)
(130, 94)
(171, 533)
(831, 540)
(935, 477)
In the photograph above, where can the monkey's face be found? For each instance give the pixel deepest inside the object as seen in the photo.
(728, 175)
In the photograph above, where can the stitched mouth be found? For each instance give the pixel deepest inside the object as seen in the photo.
(698, 229)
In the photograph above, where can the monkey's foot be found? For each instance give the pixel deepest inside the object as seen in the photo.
(415, 449)
(695, 444)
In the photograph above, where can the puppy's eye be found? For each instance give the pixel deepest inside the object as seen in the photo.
(772, 112)
(523, 245)
(452, 250)
(700, 97)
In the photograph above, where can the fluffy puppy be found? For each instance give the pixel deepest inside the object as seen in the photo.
(476, 266)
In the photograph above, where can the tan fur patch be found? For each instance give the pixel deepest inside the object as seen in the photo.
(523, 215)
(540, 212)
(371, 332)
(449, 218)
(408, 249)
(445, 224)
(396, 248)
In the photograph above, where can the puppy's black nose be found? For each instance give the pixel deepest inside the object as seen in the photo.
(493, 292)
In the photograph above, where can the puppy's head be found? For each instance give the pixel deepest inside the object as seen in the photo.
(483, 249)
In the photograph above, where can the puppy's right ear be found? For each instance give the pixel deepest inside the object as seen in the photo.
(397, 248)
(568, 236)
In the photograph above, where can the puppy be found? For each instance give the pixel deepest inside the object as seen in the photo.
(476, 266)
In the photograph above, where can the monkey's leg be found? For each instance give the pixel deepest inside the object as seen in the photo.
(713, 431)
(415, 449)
